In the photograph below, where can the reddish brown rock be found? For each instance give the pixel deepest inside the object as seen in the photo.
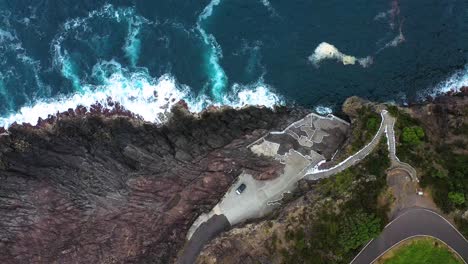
(85, 188)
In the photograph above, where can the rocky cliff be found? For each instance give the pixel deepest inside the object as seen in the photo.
(309, 228)
(93, 188)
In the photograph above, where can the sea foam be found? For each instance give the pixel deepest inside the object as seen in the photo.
(326, 51)
(453, 83)
(143, 95)
(217, 77)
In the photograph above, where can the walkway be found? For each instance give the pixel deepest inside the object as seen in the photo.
(413, 222)
(387, 127)
(314, 173)
(395, 162)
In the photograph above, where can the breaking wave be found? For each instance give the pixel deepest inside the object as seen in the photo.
(132, 86)
(452, 84)
(80, 30)
(217, 77)
(141, 94)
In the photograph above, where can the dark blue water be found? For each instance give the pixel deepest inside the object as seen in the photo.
(149, 54)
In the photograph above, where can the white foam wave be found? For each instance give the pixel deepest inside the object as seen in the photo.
(141, 94)
(325, 51)
(323, 110)
(16, 60)
(5, 35)
(218, 78)
(133, 43)
(452, 84)
(259, 94)
(78, 28)
(269, 7)
(392, 17)
(145, 97)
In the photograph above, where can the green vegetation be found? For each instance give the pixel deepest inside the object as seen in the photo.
(347, 220)
(357, 229)
(456, 198)
(420, 251)
(366, 127)
(412, 135)
(439, 166)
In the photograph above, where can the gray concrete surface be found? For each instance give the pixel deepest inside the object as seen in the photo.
(314, 173)
(411, 223)
(261, 197)
(395, 162)
(404, 192)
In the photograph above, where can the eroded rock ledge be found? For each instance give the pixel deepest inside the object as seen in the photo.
(112, 189)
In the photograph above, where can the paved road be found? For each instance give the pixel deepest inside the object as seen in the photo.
(414, 222)
(208, 230)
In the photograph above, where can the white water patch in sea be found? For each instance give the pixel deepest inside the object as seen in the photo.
(218, 78)
(453, 83)
(18, 70)
(258, 93)
(144, 96)
(141, 94)
(133, 43)
(269, 7)
(81, 28)
(393, 18)
(323, 110)
(326, 51)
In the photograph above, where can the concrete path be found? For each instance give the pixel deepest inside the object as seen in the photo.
(386, 126)
(261, 197)
(395, 162)
(314, 173)
(412, 223)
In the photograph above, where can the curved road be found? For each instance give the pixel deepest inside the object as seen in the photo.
(413, 222)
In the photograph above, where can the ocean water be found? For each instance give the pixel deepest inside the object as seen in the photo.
(148, 55)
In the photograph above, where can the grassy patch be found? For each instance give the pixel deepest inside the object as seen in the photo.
(420, 251)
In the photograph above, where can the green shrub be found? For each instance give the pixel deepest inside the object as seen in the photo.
(412, 135)
(456, 198)
(357, 229)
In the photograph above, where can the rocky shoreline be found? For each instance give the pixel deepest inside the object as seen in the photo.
(103, 186)
(99, 189)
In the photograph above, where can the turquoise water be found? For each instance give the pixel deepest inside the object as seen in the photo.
(150, 54)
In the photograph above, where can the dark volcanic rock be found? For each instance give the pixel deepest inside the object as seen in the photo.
(112, 189)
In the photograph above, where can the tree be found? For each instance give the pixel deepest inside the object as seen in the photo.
(358, 228)
(372, 124)
(456, 198)
(412, 135)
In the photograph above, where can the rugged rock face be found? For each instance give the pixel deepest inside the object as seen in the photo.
(252, 243)
(445, 119)
(95, 189)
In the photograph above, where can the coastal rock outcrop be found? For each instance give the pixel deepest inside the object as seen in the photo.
(94, 188)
